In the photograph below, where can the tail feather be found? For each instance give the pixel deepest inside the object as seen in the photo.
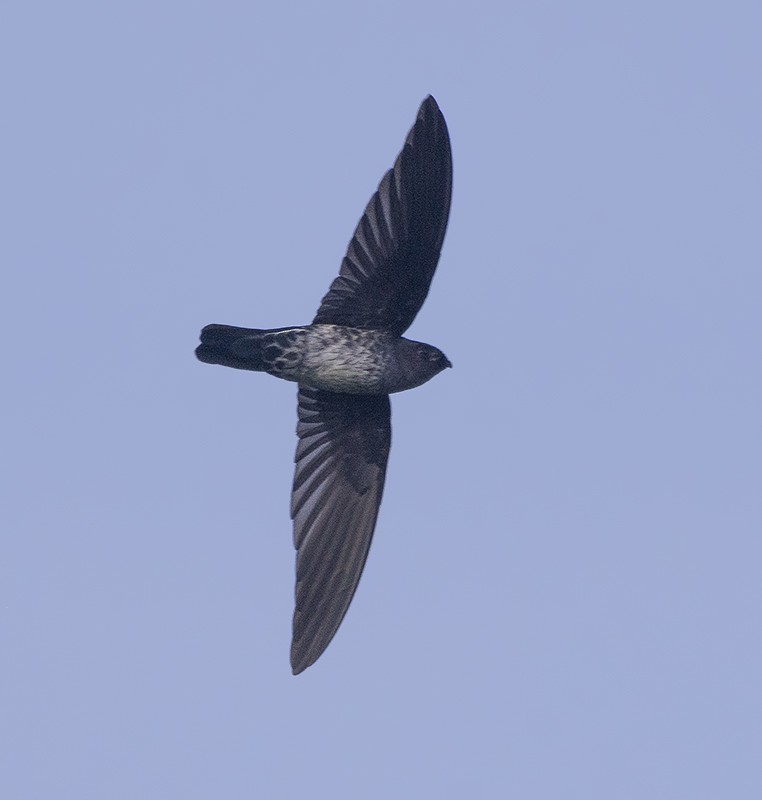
(239, 348)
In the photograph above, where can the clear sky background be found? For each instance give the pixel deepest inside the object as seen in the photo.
(563, 596)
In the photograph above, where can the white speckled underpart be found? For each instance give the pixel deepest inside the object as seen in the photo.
(330, 357)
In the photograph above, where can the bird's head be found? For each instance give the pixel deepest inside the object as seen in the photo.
(418, 363)
(432, 356)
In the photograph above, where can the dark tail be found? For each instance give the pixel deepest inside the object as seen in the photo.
(232, 347)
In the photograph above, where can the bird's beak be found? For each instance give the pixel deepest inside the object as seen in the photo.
(447, 360)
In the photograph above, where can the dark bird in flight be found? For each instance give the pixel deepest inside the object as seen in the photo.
(347, 363)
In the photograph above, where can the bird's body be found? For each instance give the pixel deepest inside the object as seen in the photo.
(334, 358)
(347, 363)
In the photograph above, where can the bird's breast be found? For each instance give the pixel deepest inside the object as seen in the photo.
(340, 359)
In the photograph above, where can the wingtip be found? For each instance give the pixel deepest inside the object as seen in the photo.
(429, 103)
(299, 663)
(430, 124)
(300, 656)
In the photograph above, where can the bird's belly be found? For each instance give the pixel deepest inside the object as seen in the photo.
(343, 361)
(339, 375)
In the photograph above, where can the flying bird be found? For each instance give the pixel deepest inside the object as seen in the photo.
(347, 363)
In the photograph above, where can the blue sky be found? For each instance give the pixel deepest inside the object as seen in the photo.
(563, 595)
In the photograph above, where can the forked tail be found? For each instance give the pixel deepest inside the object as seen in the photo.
(239, 348)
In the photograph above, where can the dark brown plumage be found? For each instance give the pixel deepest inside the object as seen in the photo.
(346, 363)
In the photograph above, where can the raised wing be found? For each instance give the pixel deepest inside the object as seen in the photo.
(386, 273)
(341, 457)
